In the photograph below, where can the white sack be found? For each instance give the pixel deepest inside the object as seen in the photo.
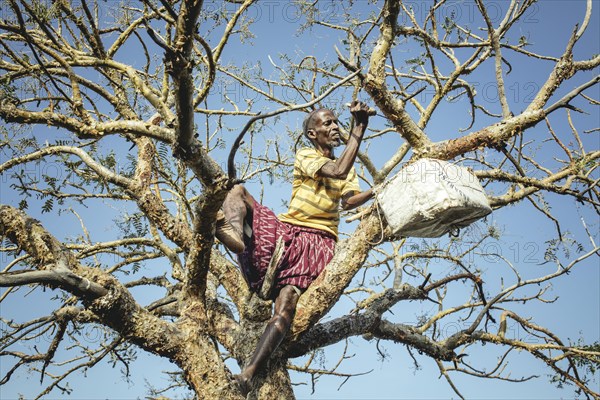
(429, 198)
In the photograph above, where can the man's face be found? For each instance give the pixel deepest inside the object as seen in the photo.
(325, 131)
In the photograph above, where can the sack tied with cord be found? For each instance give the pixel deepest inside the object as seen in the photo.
(429, 198)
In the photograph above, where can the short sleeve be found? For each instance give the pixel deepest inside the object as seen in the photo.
(309, 162)
(351, 184)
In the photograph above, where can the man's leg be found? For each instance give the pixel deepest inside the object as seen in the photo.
(277, 328)
(238, 205)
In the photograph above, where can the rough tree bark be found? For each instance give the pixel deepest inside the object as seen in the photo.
(90, 87)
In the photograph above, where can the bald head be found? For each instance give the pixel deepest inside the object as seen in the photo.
(309, 121)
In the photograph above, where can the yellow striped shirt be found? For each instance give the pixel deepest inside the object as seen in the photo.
(315, 200)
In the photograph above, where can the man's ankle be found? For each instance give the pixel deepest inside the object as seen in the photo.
(244, 383)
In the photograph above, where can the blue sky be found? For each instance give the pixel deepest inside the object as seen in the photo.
(576, 313)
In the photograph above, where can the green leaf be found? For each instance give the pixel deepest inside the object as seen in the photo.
(47, 207)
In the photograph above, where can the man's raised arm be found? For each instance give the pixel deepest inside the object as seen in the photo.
(339, 168)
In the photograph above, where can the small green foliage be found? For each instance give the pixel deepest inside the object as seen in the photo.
(417, 61)
(449, 25)
(523, 41)
(23, 205)
(48, 205)
(8, 92)
(494, 232)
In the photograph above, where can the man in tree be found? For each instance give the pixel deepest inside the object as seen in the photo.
(308, 230)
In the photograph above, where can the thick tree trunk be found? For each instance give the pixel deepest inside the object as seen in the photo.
(205, 370)
(274, 382)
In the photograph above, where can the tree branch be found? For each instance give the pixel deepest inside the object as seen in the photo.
(238, 140)
(55, 277)
(374, 82)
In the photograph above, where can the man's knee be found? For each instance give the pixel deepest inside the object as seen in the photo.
(286, 301)
(290, 293)
(237, 190)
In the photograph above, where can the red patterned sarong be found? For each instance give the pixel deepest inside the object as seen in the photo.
(307, 251)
